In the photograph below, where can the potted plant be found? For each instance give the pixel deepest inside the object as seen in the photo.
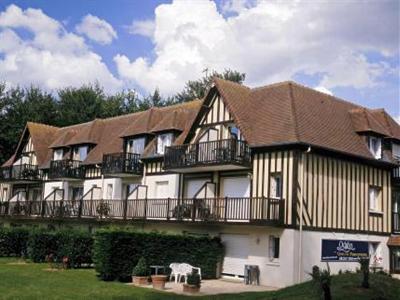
(140, 273)
(193, 283)
(159, 281)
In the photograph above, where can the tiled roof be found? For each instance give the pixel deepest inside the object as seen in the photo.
(276, 114)
(394, 241)
(288, 112)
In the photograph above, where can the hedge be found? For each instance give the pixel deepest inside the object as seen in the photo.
(36, 244)
(13, 241)
(117, 251)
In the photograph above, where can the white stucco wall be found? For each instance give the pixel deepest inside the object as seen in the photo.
(49, 186)
(173, 184)
(312, 250)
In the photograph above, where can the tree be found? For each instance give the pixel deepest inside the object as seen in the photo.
(17, 107)
(78, 105)
(197, 89)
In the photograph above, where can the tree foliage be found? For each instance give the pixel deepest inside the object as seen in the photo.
(73, 105)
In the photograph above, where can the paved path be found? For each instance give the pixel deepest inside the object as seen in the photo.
(217, 286)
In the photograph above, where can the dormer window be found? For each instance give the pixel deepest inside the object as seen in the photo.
(58, 154)
(135, 145)
(80, 153)
(164, 140)
(396, 151)
(375, 146)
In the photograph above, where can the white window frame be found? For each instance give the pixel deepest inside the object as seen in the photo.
(273, 256)
(77, 151)
(58, 154)
(396, 151)
(375, 199)
(375, 146)
(276, 186)
(136, 145)
(164, 140)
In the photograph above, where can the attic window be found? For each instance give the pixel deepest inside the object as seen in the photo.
(396, 151)
(80, 153)
(375, 146)
(135, 145)
(164, 140)
(58, 154)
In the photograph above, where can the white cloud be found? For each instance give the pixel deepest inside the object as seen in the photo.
(269, 41)
(96, 29)
(323, 90)
(144, 27)
(51, 58)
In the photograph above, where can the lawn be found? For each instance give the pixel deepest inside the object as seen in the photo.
(35, 281)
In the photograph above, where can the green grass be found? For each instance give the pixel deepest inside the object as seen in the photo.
(34, 281)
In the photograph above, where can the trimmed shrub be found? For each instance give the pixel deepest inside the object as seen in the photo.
(13, 241)
(117, 251)
(141, 269)
(76, 246)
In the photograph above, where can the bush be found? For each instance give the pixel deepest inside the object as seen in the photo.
(141, 268)
(71, 246)
(13, 241)
(323, 281)
(117, 251)
(194, 279)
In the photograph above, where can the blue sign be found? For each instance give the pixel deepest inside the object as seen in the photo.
(343, 250)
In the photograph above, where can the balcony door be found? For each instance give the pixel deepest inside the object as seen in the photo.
(237, 189)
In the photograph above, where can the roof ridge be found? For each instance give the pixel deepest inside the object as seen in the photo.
(42, 124)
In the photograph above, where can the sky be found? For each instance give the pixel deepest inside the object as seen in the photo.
(346, 48)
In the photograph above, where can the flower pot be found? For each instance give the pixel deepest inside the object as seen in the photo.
(189, 288)
(140, 280)
(159, 281)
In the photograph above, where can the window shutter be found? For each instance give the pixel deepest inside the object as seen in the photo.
(372, 200)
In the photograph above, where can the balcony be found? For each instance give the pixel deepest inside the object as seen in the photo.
(20, 173)
(122, 164)
(256, 211)
(66, 169)
(229, 154)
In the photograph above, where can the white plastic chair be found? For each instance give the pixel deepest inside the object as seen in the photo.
(185, 269)
(175, 271)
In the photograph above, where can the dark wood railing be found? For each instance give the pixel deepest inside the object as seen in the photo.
(229, 151)
(117, 163)
(247, 210)
(20, 172)
(66, 168)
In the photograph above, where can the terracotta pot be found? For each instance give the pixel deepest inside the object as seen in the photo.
(140, 280)
(159, 281)
(188, 288)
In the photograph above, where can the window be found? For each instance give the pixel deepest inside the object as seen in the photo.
(375, 200)
(4, 194)
(276, 185)
(163, 140)
(58, 154)
(375, 254)
(273, 247)
(80, 153)
(109, 191)
(135, 145)
(396, 151)
(375, 146)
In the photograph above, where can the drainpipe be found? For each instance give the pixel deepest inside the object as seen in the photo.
(300, 258)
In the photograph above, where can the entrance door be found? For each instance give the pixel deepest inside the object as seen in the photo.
(237, 189)
(236, 254)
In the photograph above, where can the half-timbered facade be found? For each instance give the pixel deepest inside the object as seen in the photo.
(278, 172)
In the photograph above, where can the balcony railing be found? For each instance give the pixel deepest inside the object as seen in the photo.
(122, 163)
(66, 168)
(237, 210)
(20, 172)
(229, 151)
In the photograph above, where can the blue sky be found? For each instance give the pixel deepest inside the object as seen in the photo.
(350, 49)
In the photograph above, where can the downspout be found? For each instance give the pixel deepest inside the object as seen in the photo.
(300, 258)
